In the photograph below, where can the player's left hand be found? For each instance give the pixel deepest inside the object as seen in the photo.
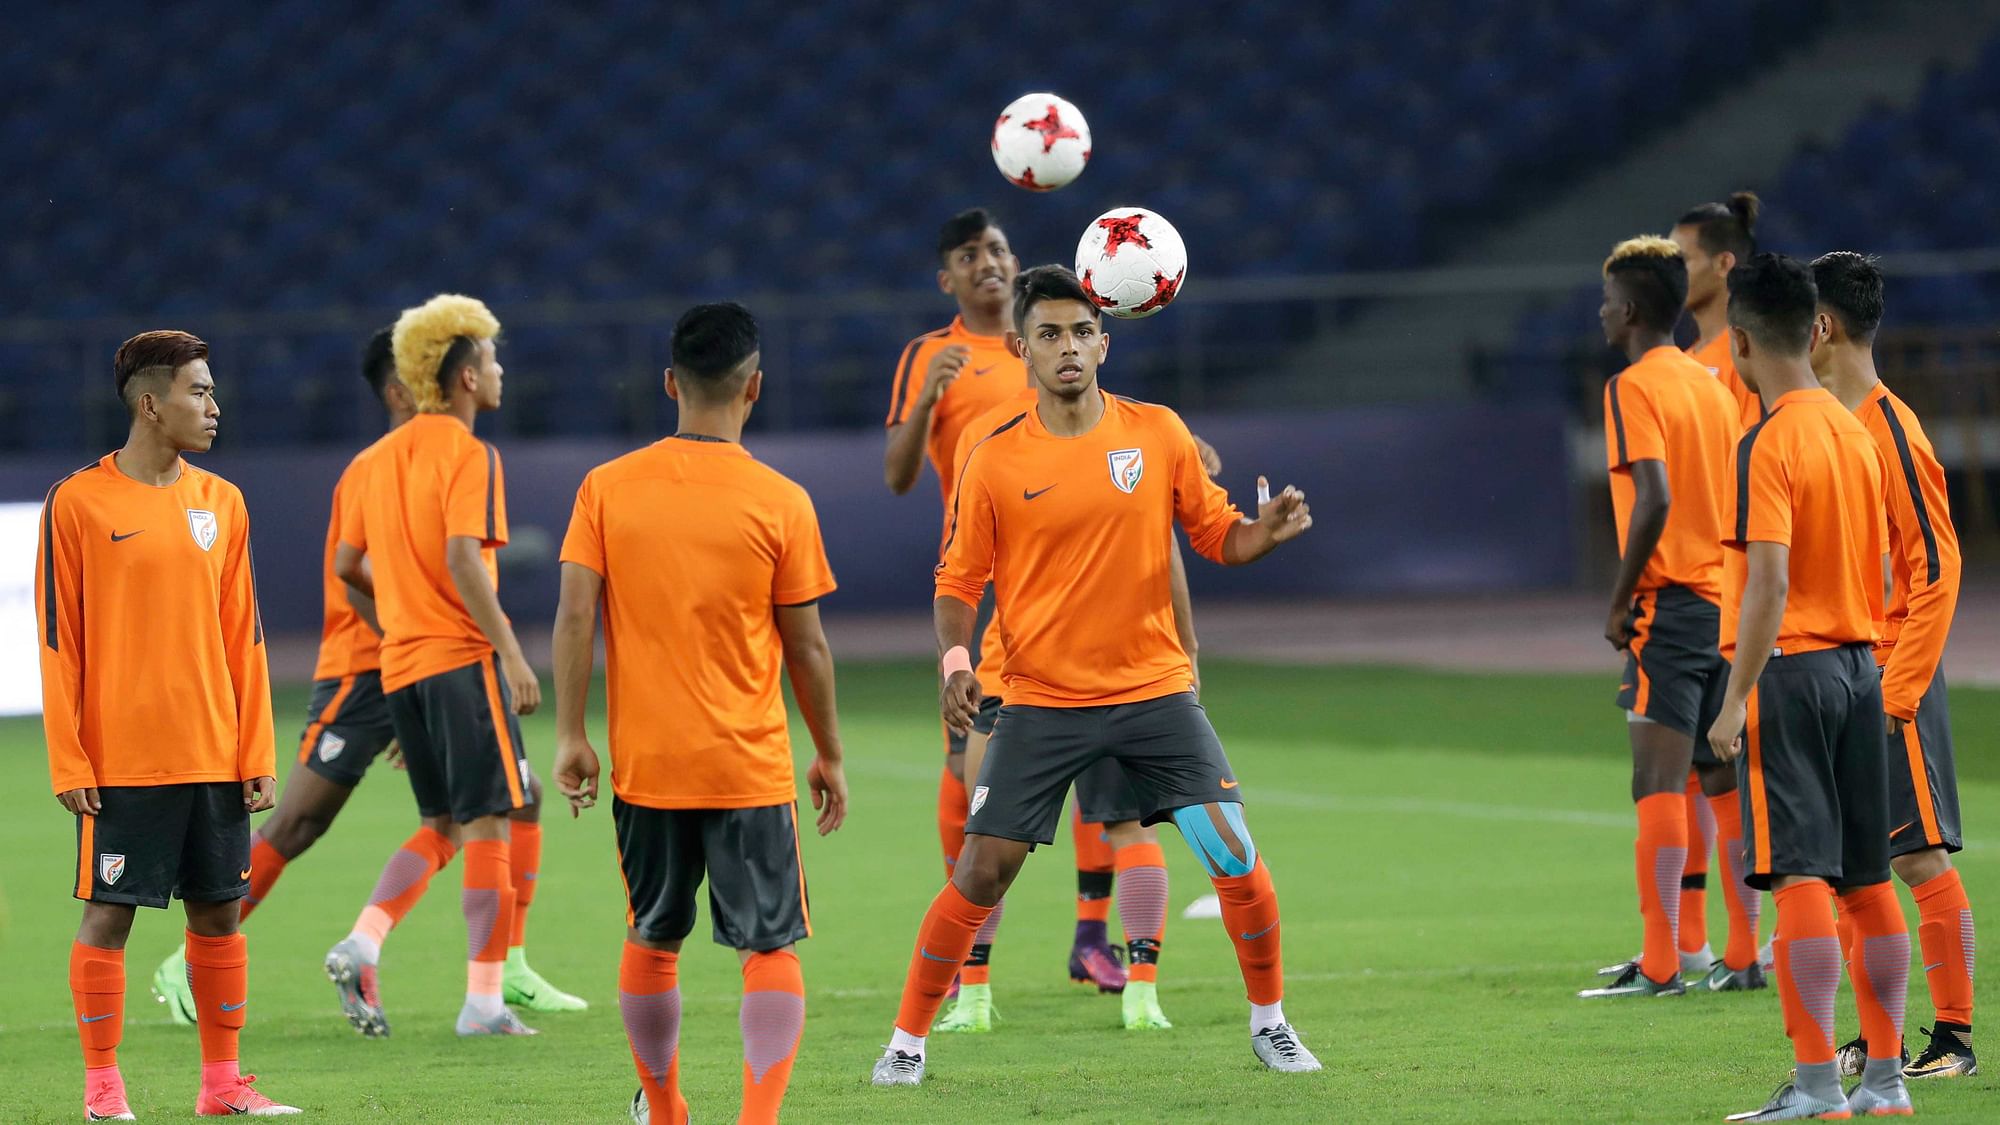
(1618, 628)
(576, 774)
(1726, 736)
(828, 784)
(393, 754)
(1895, 727)
(260, 793)
(1286, 515)
(1211, 461)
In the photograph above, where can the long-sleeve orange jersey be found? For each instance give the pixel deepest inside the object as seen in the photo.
(153, 663)
(347, 646)
(1076, 536)
(1923, 553)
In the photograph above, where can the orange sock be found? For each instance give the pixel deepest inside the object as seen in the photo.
(1880, 968)
(951, 818)
(403, 881)
(524, 854)
(1944, 929)
(97, 988)
(1808, 968)
(1743, 900)
(943, 941)
(265, 867)
(488, 901)
(1845, 929)
(1142, 906)
(649, 1001)
(773, 1018)
(1250, 910)
(1694, 876)
(219, 976)
(1660, 855)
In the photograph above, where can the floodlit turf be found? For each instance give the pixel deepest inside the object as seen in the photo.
(1453, 854)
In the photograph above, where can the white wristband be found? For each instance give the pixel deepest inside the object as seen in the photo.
(956, 660)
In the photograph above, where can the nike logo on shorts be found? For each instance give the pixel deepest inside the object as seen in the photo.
(245, 874)
(1898, 830)
(1026, 495)
(1260, 933)
(1228, 784)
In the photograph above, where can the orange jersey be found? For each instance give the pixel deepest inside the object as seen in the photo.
(153, 663)
(1923, 553)
(427, 481)
(988, 379)
(697, 543)
(1076, 536)
(1809, 477)
(346, 644)
(1668, 408)
(992, 645)
(1715, 356)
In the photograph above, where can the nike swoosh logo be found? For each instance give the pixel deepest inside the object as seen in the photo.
(1898, 830)
(1229, 784)
(983, 370)
(244, 875)
(1026, 495)
(93, 1019)
(233, 1007)
(929, 956)
(1260, 933)
(1927, 968)
(117, 538)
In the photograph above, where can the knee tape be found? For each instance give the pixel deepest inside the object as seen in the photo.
(1215, 855)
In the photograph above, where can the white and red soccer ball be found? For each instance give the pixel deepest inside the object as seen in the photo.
(1040, 142)
(1131, 261)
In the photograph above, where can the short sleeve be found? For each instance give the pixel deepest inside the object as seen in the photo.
(803, 574)
(1632, 430)
(908, 387)
(350, 525)
(476, 499)
(1761, 501)
(583, 544)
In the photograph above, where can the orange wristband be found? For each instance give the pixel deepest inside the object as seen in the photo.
(956, 660)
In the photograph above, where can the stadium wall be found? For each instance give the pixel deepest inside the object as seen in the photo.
(1406, 500)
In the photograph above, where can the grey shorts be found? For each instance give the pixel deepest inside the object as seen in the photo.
(1923, 779)
(1165, 747)
(350, 726)
(1674, 674)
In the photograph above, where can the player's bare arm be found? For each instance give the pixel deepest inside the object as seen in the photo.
(475, 589)
(1764, 593)
(350, 565)
(1280, 519)
(809, 664)
(904, 458)
(1652, 499)
(362, 602)
(575, 646)
(958, 700)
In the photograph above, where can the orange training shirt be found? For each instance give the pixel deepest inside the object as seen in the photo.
(1923, 553)
(347, 646)
(988, 379)
(1809, 477)
(1715, 356)
(427, 481)
(697, 544)
(153, 662)
(992, 645)
(1075, 535)
(1666, 407)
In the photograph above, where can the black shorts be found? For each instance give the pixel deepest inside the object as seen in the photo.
(1166, 746)
(462, 743)
(756, 886)
(989, 706)
(350, 726)
(1923, 780)
(1674, 673)
(1814, 774)
(1105, 794)
(152, 842)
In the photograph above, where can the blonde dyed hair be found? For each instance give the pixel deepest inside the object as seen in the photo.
(1644, 246)
(424, 335)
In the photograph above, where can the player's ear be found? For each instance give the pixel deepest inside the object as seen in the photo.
(944, 282)
(1739, 345)
(1016, 345)
(1103, 343)
(1725, 261)
(673, 388)
(753, 387)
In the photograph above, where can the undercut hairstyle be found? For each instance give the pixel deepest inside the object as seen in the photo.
(963, 228)
(433, 341)
(1047, 283)
(1772, 297)
(378, 360)
(710, 346)
(1653, 274)
(1730, 226)
(152, 356)
(1850, 287)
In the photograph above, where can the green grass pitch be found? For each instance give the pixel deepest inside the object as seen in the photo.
(1453, 855)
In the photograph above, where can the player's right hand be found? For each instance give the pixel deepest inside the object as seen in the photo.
(942, 372)
(828, 784)
(82, 802)
(521, 684)
(959, 701)
(576, 774)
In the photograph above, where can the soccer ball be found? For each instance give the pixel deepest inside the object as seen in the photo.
(1040, 142)
(1131, 262)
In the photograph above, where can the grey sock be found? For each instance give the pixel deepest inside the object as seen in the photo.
(1884, 1076)
(1820, 1080)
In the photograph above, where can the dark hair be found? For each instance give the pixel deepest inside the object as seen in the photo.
(154, 354)
(1850, 286)
(378, 360)
(963, 228)
(457, 358)
(1047, 283)
(710, 342)
(1730, 226)
(1657, 285)
(1772, 298)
